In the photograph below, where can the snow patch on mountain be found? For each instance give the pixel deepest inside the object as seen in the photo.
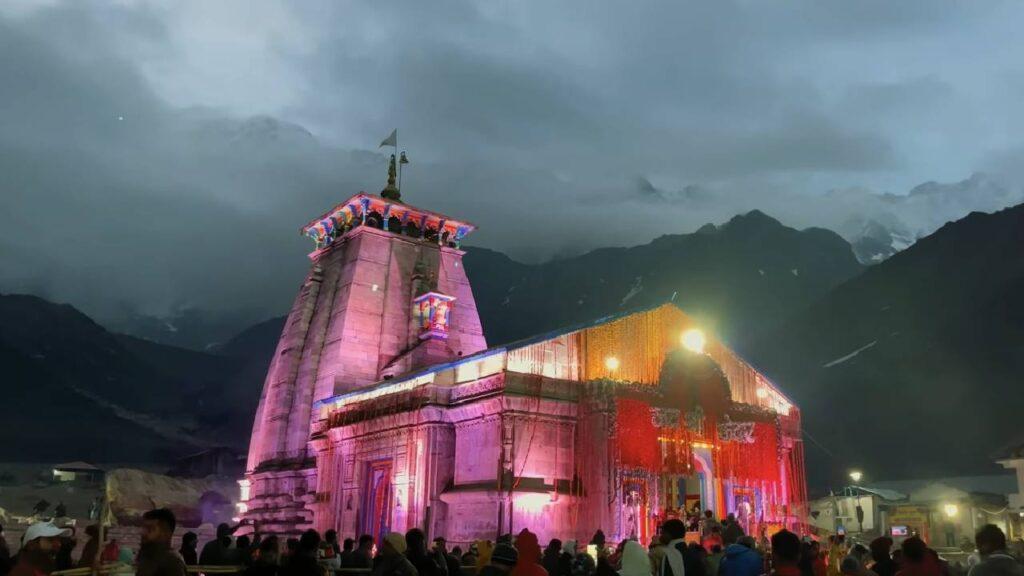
(849, 356)
(633, 290)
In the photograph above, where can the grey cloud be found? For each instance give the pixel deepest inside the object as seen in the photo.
(134, 176)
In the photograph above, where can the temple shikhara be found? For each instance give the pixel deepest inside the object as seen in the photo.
(384, 408)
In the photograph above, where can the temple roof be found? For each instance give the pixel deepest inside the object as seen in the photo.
(642, 337)
(356, 206)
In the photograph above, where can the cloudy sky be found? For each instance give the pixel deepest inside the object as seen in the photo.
(157, 155)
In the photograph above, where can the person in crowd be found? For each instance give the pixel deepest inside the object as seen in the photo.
(674, 532)
(852, 566)
(741, 559)
(995, 559)
(529, 555)
(111, 551)
(583, 564)
(635, 561)
(469, 558)
(5, 554)
(347, 547)
(392, 560)
(599, 540)
(503, 561)
(715, 559)
(656, 552)
(217, 552)
(92, 546)
(291, 550)
(40, 506)
(695, 560)
(881, 557)
(267, 562)
(64, 561)
(362, 556)
(806, 556)
(861, 553)
(331, 540)
(60, 511)
(452, 562)
(242, 554)
(819, 560)
(565, 559)
(731, 531)
(156, 557)
(484, 549)
(549, 559)
(916, 559)
(38, 554)
(189, 547)
(416, 552)
(304, 560)
(709, 524)
(94, 509)
(713, 538)
(785, 554)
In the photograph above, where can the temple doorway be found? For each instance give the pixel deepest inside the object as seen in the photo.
(375, 512)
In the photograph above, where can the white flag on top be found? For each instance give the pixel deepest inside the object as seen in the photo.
(391, 140)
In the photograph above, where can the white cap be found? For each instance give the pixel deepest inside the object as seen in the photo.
(42, 530)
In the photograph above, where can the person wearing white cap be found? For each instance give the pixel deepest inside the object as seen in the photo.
(39, 547)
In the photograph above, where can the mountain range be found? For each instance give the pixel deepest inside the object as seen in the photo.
(924, 346)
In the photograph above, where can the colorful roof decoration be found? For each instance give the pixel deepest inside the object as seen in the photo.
(356, 210)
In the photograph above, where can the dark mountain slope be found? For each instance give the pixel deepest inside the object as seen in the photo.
(916, 361)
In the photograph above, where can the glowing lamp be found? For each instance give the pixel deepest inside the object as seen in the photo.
(611, 363)
(951, 510)
(856, 475)
(532, 502)
(762, 393)
(693, 340)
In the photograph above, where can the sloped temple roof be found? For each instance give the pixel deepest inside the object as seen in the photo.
(639, 340)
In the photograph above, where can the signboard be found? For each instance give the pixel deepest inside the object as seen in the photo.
(913, 516)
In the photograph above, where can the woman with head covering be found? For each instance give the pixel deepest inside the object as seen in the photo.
(635, 561)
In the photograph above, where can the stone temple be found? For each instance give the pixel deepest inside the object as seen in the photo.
(384, 408)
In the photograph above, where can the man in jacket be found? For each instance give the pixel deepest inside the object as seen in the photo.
(995, 560)
(741, 560)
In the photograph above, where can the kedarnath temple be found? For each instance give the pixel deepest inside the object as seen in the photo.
(384, 409)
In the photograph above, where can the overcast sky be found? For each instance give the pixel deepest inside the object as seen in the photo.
(155, 155)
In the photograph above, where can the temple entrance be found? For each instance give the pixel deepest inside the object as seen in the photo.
(636, 507)
(375, 512)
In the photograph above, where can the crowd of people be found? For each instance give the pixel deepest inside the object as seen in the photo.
(717, 549)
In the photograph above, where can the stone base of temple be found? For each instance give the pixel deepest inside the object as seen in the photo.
(476, 512)
(280, 501)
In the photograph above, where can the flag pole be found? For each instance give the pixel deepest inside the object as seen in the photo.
(399, 164)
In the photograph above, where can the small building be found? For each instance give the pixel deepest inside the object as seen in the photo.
(1012, 457)
(220, 462)
(78, 471)
(946, 512)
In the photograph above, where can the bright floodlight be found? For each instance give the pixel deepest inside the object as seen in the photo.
(694, 340)
(856, 475)
(950, 510)
(611, 363)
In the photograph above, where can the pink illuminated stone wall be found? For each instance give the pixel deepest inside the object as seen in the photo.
(351, 325)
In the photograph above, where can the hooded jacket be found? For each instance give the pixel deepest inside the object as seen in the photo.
(635, 561)
(528, 563)
(740, 561)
